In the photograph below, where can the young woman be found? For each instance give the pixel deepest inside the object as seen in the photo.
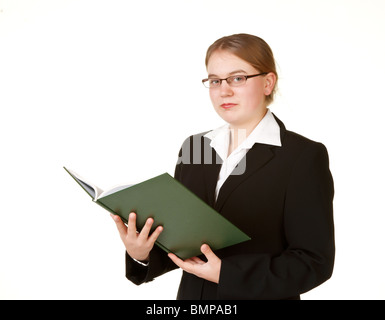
(273, 184)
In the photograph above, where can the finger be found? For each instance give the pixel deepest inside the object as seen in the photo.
(144, 233)
(131, 225)
(197, 260)
(179, 262)
(155, 234)
(188, 265)
(209, 254)
(119, 224)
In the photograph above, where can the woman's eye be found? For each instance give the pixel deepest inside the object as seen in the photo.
(238, 79)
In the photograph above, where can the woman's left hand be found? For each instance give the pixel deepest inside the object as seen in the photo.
(209, 270)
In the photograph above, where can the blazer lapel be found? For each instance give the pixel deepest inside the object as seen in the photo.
(256, 157)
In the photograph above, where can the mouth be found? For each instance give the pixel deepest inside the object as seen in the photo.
(227, 105)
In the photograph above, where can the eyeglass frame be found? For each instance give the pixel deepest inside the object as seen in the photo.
(240, 75)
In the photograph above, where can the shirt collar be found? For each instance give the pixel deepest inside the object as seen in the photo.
(266, 132)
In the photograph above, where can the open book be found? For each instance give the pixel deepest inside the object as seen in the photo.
(94, 191)
(188, 222)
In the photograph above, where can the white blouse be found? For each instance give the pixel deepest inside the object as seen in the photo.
(266, 132)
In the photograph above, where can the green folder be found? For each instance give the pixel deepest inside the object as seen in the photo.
(188, 222)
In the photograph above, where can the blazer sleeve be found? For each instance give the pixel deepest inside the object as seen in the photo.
(309, 230)
(159, 263)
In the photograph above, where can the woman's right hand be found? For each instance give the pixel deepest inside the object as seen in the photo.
(138, 245)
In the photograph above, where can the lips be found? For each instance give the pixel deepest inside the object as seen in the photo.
(228, 105)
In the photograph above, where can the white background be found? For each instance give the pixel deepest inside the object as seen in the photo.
(111, 88)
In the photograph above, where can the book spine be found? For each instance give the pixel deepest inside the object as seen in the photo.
(162, 246)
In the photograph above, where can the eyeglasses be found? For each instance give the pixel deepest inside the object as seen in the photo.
(233, 81)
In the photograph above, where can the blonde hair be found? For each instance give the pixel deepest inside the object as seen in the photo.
(250, 48)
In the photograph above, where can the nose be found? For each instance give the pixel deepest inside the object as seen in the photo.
(226, 90)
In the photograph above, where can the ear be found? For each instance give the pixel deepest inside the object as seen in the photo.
(270, 80)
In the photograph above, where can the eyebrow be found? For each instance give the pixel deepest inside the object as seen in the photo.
(230, 74)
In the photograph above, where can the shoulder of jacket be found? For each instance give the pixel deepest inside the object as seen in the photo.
(293, 137)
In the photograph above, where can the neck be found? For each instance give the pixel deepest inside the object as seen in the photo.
(237, 136)
(239, 133)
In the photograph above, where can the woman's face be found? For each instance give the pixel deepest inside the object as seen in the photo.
(242, 107)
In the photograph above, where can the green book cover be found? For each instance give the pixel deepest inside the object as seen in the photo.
(188, 222)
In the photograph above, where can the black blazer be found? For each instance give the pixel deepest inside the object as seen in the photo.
(283, 201)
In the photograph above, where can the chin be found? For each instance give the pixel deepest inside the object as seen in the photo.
(229, 116)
